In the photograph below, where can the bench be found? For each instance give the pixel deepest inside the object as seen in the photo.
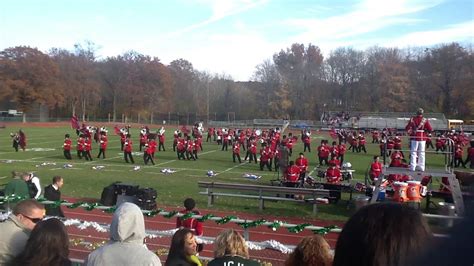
(260, 192)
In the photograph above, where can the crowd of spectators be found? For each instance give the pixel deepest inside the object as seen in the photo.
(388, 234)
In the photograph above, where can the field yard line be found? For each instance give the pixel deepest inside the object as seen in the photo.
(108, 158)
(312, 171)
(228, 169)
(164, 163)
(207, 152)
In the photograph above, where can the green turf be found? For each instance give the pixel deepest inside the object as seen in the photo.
(84, 182)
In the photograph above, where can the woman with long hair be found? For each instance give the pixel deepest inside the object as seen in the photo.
(312, 250)
(48, 245)
(183, 249)
(231, 249)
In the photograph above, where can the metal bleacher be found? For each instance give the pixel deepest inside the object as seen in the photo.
(397, 120)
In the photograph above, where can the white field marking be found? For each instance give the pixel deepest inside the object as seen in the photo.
(76, 165)
(29, 144)
(207, 152)
(3, 177)
(164, 163)
(100, 160)
(230, 168)
(312, 171)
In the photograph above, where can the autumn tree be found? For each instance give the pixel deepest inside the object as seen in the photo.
(28, 77)
(300, 68)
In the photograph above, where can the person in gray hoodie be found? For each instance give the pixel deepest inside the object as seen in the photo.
(125, 247)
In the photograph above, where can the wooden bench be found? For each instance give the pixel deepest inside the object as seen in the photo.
(260, 192)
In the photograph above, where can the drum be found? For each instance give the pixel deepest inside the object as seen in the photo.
(400, 191)
(414, 191)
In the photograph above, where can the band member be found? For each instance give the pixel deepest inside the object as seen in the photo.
(265, 157)
(333, 175)
(290, 143)
(236, 151)
(418, 127)
(335, 161)
(342, 150)
(306, 138)
(147, 154)
(103, 142)
(302, 163)
(161, 140)
(16, 140)
(225, 139)
(190, 146)
(197, 146)
(470, 155)
(429, 142)
(123, 137)
(440, 143)
(152, 145)
(323, 153)
(210, 133)
(375, 168)
(176, 135)
(252, 150)
(361, 143)
(127, 149)
(292, 175)
(458, 154)
(180, 147)
(86, 151)
(67, 147)
(375, 136)
(22, 141)
(80, 146)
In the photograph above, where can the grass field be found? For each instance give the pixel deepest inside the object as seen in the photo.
(44, 144)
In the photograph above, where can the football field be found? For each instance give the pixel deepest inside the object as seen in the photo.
(86, 179)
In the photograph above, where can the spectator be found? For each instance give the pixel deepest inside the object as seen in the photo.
(387, 234)
(48, 245)
(191, 223)
(51, 192)
(311, 251)
(17, 186)
(125, 247)
(34, 186)
(183, 249)
(16, 229)
(231, 249)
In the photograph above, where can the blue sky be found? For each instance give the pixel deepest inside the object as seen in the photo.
(231, 36)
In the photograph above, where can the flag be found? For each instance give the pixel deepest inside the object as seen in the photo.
(75, 122)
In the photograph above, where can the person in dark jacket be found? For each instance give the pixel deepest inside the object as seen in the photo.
(52, 192)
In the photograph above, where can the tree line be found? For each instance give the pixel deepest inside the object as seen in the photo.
(299, 82)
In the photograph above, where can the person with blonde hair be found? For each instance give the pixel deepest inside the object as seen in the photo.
(231, 249)
(312, 250)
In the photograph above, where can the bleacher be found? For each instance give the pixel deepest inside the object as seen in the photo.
(397, 120)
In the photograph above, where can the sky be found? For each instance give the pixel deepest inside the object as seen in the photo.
(231, 37)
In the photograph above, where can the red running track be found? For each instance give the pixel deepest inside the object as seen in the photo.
(211, 229)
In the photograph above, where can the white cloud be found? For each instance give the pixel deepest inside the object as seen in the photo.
(220, 10)
(456, 32)
(368, 16)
